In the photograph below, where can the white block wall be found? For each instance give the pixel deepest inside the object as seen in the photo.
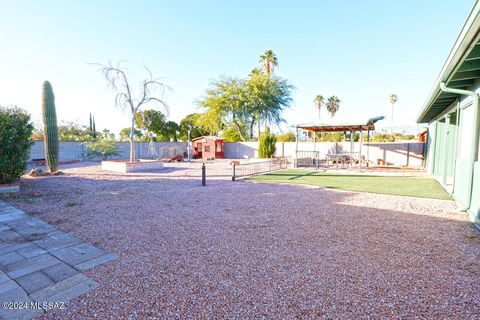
(73, 150)
(394, 153)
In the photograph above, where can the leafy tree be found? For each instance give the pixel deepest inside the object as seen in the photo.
(226, 101)
(286, 137)
(107, 134)
(151, 121)
(211, 121)
(94, 128)
(319, 101)
(266, 147)
(169, 132)
(259, 99)
(125, 135)
(230, 134)
(37, 133)
(268, 97)
(92, 131)
(331, 136)
(269, 62)
(102, 148)
(333, 104)
(383, 137)
(68, 131)
(72, 131)
(191, 122)
(15, 132)
(150, 92)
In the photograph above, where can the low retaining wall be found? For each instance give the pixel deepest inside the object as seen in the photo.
(137, 166)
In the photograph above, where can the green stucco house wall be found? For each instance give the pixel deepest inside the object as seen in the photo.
(453, 117)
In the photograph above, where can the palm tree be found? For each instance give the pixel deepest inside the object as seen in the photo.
(319, 101)
(333, 104)
(393, 99)
(268, 61)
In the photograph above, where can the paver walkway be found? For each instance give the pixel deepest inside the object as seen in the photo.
(41, 266)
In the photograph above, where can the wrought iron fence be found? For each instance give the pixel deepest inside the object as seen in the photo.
(307, 159)
(304, 162)
(250, 169)
(307, 154)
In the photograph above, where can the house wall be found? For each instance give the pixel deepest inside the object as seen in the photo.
(475, 205)
(430, 148)
(448, 156)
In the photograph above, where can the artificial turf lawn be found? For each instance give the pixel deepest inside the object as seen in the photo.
(400, 186)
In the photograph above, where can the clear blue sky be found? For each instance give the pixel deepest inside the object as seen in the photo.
(360, 51)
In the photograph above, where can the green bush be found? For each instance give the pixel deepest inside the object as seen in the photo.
(15, 132)
(266, 147)
(102, 148)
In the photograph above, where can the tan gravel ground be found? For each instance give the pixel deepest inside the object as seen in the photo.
(249, 250)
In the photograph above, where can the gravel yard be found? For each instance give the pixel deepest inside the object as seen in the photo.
(251, 250)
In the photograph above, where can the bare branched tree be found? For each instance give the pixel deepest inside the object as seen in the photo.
(151, 91)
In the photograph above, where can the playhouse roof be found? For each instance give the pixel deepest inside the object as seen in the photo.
(209, 138)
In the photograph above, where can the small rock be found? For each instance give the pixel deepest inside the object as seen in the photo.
(36, 172)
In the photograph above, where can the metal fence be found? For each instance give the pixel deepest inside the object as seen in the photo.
(306, 159)
(307, 154)
(250, 169)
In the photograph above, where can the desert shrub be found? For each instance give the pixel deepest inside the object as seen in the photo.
(266, 147)
(102, 148)
(15, 132)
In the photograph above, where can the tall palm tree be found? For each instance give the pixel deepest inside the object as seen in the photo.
(333, 104)
(268, 61)
(393, 99)
(319, 101)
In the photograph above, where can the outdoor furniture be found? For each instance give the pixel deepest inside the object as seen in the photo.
(343, 159)
(337, 159)
(353, 157)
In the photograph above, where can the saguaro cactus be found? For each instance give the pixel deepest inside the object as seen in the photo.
(50, 130)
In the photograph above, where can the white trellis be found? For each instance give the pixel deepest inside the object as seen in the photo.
(168, 152)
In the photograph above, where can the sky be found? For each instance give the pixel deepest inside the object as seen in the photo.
(360, 51)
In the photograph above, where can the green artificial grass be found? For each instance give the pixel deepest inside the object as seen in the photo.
(400, 186)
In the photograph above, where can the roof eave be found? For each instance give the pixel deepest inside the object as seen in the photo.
(465, 42)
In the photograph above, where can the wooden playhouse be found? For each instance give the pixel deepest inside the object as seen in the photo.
(207, 147)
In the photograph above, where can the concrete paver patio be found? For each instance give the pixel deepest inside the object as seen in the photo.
(40, 264)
